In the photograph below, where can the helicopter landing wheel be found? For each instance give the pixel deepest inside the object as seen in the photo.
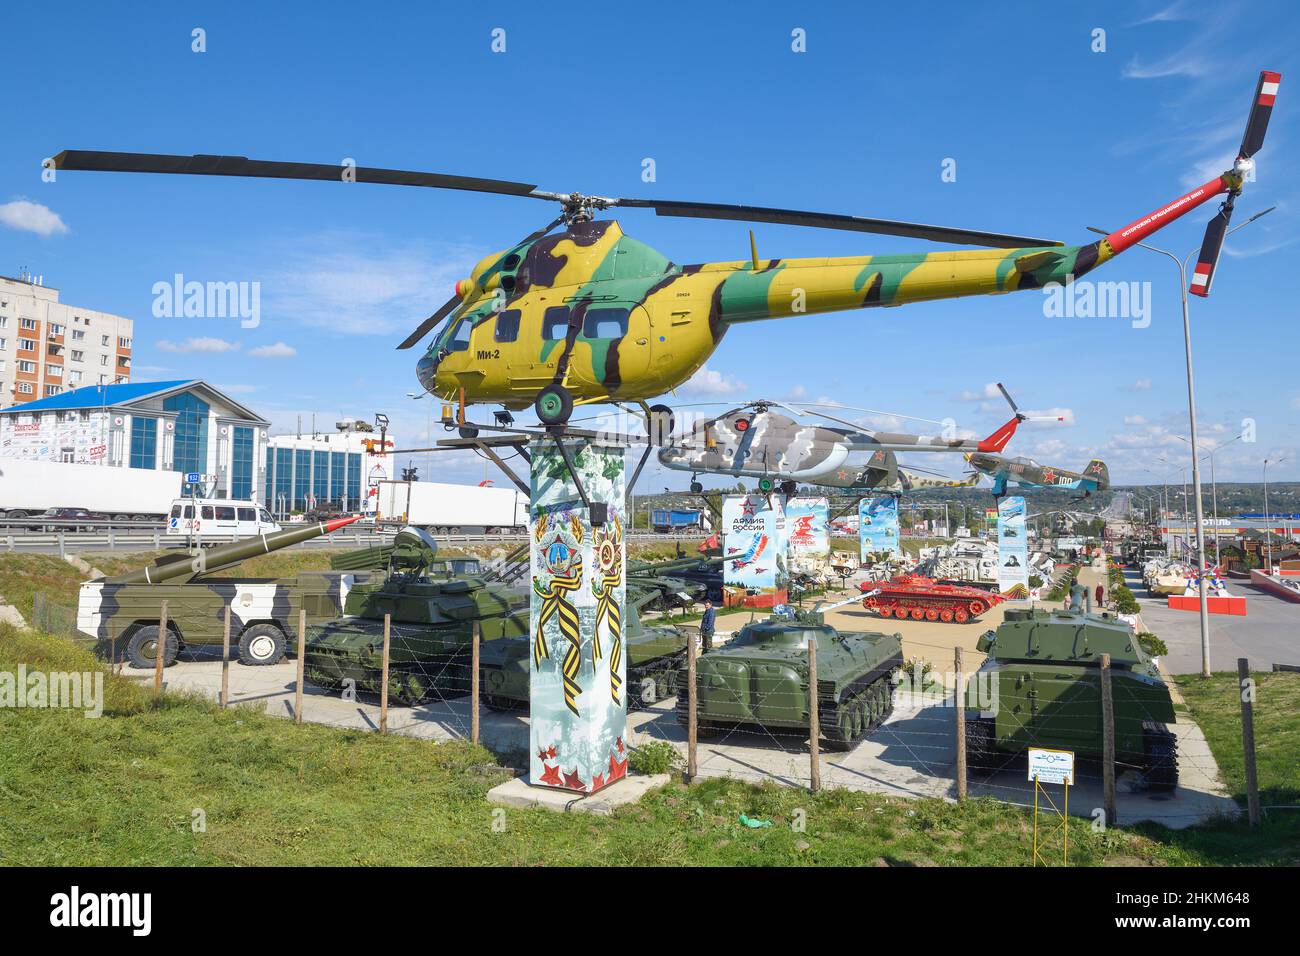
(554, 405)
(660, 423)
(468, 431)
(788, 488)
(697, 488)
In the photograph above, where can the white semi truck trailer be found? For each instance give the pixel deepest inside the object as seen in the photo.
(451, 509)
(30, 488)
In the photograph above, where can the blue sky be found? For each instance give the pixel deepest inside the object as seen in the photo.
(1048, 138)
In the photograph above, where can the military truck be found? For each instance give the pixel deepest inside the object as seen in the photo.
(433, 608)
(655, 653)
(760, 678)
(1041, 687)
(120, 614)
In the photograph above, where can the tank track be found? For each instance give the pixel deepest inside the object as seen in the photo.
(981, 749)
(1160, 757)
(663, 670)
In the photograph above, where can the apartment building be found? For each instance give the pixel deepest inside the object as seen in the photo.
(48, 347)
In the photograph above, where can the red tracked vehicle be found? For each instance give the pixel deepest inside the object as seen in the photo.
(918, 598)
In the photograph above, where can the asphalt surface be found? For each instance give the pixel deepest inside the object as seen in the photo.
(1269, 633)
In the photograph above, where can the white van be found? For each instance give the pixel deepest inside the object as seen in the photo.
(219, 517)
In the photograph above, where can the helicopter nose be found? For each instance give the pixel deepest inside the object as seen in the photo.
(426, 370)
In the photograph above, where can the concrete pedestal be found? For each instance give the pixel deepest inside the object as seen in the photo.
(578, 693)
(520, 795)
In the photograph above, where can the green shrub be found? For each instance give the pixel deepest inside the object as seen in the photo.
(1152, 644)
(656, 756)
(1124, 600)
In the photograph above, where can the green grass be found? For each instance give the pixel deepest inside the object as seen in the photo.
(123, 790)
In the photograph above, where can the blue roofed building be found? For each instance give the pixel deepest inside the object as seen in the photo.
(184, 425)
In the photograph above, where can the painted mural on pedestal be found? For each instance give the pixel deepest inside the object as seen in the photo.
(755, 543)
(808, 528)
(578, 700)
(878, 527)
(1013, 548)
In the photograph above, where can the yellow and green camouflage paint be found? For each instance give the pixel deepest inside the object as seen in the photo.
(608, 317)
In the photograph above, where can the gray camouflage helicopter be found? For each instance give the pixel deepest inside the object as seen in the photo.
(758, 441)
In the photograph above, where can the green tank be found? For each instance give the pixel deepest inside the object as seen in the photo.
(1041, 687)
(654, 654)
(433, 605)
(760, 677)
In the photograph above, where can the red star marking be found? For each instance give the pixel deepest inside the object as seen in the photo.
(619, 744)
(747, 508)
(541, 754)
(1049, 475)
(597, 782)
(550, 752)
(617, 768)
(551, 775)
(573, 781)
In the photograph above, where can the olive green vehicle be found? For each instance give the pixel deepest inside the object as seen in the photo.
(433, 606)
(655, 654)
(760, 677)
(1042, 679)
(120, 614)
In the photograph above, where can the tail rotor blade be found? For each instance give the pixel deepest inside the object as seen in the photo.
(1010, 401)
(1208, 261)
(1261, 108)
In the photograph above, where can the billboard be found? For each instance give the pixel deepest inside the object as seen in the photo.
(1013, 547)
(807, 522)
(878, 526)
(754, 538)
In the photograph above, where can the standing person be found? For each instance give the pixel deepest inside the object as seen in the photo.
(706, 626)
(1099, 594)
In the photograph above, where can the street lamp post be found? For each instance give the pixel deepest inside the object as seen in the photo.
(1268, 522)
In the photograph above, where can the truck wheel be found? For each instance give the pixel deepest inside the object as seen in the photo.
(554, 405)
(142, 649)
(260, 645)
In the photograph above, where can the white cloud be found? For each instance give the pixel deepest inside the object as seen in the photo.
(1141, 385)
(1134, 420)
(199, 344)
(1179, 64)
(709, 381)
(278, 350)
(31, 217)
(990, 390)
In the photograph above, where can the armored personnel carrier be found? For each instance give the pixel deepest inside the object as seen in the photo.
(432, 621)
(655, 653)
(1043, 679)
(120, 613)
(760, 678)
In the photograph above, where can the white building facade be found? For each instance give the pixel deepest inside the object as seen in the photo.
(337, 471)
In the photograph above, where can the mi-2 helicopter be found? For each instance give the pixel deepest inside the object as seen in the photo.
(591, 315)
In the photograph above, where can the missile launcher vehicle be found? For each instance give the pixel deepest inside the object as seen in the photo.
(1042, 679)
(655, 653)
(119, 614)
(760, 677)
(433, 609)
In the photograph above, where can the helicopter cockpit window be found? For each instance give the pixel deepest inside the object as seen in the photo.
(508, 326)
(607, 323)
(555, 323)
(459, 338)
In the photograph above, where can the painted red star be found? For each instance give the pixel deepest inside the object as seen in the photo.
(550, 752)
(1048, 475)
(597, 782)
(573, 781)
(619, 743)
(617, 769)
(551, 775)
(748, 508)
(541, 754)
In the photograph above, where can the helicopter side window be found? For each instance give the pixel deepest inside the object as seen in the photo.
(555, 323)
(507, 329)
(608, 323)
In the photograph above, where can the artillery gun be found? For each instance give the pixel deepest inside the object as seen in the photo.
(433, 607)
(123, 611)
(1043, 676)
(760, 677)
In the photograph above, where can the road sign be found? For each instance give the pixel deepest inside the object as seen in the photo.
(1051, 766)
(193, 477)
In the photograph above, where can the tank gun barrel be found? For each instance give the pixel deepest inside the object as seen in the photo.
(225, 555)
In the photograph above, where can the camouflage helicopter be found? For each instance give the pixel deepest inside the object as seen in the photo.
(1027, 473)
(758, 441)
(592, 315)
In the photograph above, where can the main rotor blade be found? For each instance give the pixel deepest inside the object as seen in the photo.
(1208, 261)
(205, 165)
(826, 220)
